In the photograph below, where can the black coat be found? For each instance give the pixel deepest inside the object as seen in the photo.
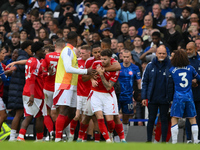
(17, 84)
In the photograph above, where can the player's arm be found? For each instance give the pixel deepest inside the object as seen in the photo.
(20, 62)
(67, 57)
(107, 85)
(114, 67)
(3, 76)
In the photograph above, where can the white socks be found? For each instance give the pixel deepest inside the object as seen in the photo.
(195, 131)
(12, 135)
(125, 127)
(174, 131)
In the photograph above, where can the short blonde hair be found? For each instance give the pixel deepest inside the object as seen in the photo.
(191, 28)
(140, 8)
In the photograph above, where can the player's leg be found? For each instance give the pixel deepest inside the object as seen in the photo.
(47, 119)
(102, 126)
(194, 129)
(39, 127)
(97, 134)
(188, 131)
(119, 128)
(3, 114)
(152, 109)
(174, 129)
(164, 109)
(15, 123)
(24, 127)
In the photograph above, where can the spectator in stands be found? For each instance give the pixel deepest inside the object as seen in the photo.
(15, 41)
(11, 20)
(4, 16)
(157, 14)
(66, 30)
(147, 4)
(157, 88)
(132, 32)
(35, 31)
(114, 48)
(197, 42)
(23, 36)
(145, 30)
(96, 37)
(185, 17)
(165, 6)
(138, 22)
(124, 15)
(53, 27)
(10, 6)
(180, 5)
(48, 16)
(124, 30)
(42, 8)
(109, 4)
(43, 34)
(137, 51)
(21, 16)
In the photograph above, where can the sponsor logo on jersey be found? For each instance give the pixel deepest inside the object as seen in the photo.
(130, 72)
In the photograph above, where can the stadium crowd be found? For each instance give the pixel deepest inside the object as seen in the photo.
(91, 63)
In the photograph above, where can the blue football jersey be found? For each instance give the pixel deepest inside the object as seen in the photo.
(183, 78)
(126, 79)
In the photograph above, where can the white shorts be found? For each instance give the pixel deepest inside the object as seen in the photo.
(81, 103)
(88, 108)
(2, 105)
(106, 102)
(48, 98)
(65, 97)
(39, 106)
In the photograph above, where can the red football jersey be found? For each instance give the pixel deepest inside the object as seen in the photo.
(109, 76)
(1, 83)
(33, 72)
(51, 59)
(83, 88)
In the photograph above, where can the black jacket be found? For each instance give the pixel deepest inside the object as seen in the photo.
(17, 84)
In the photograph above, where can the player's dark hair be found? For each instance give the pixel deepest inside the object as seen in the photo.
(106, 52)
(50, 47)
(180, 59)
(26, 44)
(95, 46)
(72, 35)
(106, 41)
(156, 33)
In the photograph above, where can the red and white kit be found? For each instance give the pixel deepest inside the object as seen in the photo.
(102, 99)
(34, 80)
(2, 105)
(51, 60)
(83, 88)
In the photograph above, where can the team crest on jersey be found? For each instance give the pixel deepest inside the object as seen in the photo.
(130, 73)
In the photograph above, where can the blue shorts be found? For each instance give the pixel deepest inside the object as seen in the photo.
(183, 106)
(127, 106)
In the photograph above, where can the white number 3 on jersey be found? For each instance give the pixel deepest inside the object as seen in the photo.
(183, 75)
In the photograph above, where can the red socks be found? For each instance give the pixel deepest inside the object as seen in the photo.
(73, 125)
(67, 121)
(48, 123)
(39, 136)
(103, 129)
(82, 130)
(97, 136)
(120, 131)
(22, 131)
(111, 126)
(60, 122)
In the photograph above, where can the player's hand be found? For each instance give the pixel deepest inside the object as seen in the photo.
(91, 72)
(31, 100)
(10, 65)
(144, 102)
(100, 70)
(194, 83)
(50, 70)
(94, 83)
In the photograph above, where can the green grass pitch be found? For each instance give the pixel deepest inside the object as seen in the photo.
(94, 146)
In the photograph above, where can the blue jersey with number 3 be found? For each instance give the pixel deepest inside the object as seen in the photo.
(183, 78)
